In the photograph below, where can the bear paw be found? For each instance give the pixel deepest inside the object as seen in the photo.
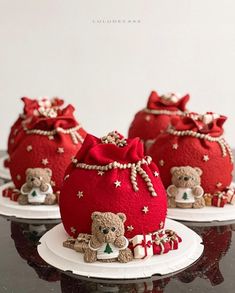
(197, 191)
(23, 199)
(120, 242)
(50, 199)
(125, 255)
(44, 187)
(90, 255)
(172, 191)
(199, 203)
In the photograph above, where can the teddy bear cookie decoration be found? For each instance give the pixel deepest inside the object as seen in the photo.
(107, 242)
(185, 191)
(37, 188)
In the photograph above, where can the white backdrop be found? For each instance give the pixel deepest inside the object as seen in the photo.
(107, 69)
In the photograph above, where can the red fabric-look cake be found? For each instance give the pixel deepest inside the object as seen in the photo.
(47, 141)
(33, 108)
(196, 141)
(112, 174)
(155, 118)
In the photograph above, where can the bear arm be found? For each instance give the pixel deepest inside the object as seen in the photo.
(120, 242)
(25, 188)
(94, 242)
(197, 191)
(172, 191)
(44, 187)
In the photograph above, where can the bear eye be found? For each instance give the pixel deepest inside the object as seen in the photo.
(113, 229)
(180, 178)
(100, 228)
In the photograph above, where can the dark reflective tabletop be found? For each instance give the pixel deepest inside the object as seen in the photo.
(22, 270)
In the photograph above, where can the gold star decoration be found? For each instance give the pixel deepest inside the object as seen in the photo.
(66, 177)
(206, 158)
(44, 161)
(161, 163)
(175, 146)
(147, 118)
(74, 160)
(12, 141)
(156, 174)
(145, 209)
(60, 150)
(117, 183)
(218, 184)
(161, 225)
(80, 194)
(100, 173)
(130, 228)
(73, 230)
(51, 137)
(29, 148)
(18, 177)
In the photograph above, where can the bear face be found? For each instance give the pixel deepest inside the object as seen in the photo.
(38, 176)
(186, 177)
(106, 227)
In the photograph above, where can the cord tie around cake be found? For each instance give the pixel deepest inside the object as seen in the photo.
(164, 112)
(134, 167)
(225, 148)
(73, 132)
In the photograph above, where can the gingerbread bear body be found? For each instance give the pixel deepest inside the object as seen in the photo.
(107, 242)
(37, 189)
(185, 191)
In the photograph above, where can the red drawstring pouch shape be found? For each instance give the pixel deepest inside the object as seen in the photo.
(196, 141)
(47, 142)
(33, 108)
(112, 174)
(156, 117)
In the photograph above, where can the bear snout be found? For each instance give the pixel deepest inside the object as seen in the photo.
(105, 230)
(186, 178)
(35, 182)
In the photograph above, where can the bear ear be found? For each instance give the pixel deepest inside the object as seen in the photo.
(48, 171)
(95, 215)
(122, 216)
(198, 170)
(28, 171)
(174, 169)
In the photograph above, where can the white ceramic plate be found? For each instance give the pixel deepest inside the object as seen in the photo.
(4, 172)
(206, 214)
(52, 251)
(11, 208)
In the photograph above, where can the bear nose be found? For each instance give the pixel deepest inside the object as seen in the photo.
(106, 230)
(186, 178)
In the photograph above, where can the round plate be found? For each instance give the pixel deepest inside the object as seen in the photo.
(11, 208)
(4, 172)
(206, 214)
(52, 251)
